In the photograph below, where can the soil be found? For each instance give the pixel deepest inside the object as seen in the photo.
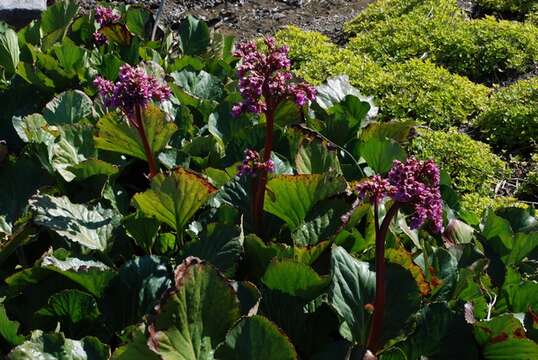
(250, 18)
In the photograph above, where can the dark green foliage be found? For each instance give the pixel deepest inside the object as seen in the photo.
(97, 261)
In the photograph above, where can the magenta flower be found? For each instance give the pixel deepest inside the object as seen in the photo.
(375, 188)
(106, 16)
(252, 164)
(265, 77)
(133, 89)
(99, 38)
(414, 184)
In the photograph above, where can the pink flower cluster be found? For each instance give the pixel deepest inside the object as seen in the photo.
(413, 183)
(104, 16)
(266, 76)
(252, 164)
(134, 88)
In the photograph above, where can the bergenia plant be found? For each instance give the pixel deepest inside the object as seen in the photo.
(265, 81)
(413, 187)
(131, 94)
(104, 16)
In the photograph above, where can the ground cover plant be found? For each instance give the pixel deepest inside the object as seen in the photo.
(189, 197)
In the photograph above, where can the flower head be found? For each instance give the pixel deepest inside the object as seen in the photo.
(105, 16)
(133, 89)
(413, 183)
(266, 76)
(375, 188)
(99, 38)
(252, 164)
(417, 183)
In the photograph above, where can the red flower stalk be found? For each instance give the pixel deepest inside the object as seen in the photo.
(265, 81)
(412, 185)
(132, 93)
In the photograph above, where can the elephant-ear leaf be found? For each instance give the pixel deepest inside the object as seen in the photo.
(57, 346)
(173, 199)
(116, 135)
(89, 227)
(195, 315)
(292, 197)
(253, 338)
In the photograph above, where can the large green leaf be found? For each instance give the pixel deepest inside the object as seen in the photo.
(135, 291)
(292, 197)
(352, 287)
(219, 244)
(193, 35)
(68, 108)
(74, 146)
(136, 348)
(381, 153)
(321, 223)
(195, 315)
(92, 275)
(73, 308)
(9, 51)
(56, 346)
(9, 328)
(503, 338)
(295, 279)
(201, 85)
(255, 338)
(116, 135)
(173, 199)
(142, 229)
(89, 227)
(137, 19)
(314, 157)
(55, 21)
(336, 89)
(19, 181)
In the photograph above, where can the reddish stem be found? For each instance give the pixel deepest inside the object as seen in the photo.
(139, 125)
(261, 180)
(380, 275)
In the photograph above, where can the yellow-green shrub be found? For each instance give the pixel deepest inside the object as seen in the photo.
(471, 165)
(477, 203)
(378, 11)
(480, 49)
(510, 120)
(417, 90)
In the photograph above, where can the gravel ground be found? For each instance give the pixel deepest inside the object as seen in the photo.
(250, 18)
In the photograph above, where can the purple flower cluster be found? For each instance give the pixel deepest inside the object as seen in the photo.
(375, 189)
(414, 183)
(417, 183)
(104, 16)
(265, 77)
(133, 89)
(252, 164)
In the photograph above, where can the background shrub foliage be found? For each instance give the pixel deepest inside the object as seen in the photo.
(98, 261)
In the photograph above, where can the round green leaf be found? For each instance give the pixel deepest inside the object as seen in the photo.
(195, 315)
(255, 338)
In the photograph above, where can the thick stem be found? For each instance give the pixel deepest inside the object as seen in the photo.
(380, 275)
(261, 181)
(147, 149)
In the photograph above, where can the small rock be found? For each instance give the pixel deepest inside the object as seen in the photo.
(20, 12)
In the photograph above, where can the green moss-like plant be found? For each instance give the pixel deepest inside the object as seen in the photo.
(471, 165)
(420, 90)
(483, 49)
(477, 203)
(511, 117)
(417, 90)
